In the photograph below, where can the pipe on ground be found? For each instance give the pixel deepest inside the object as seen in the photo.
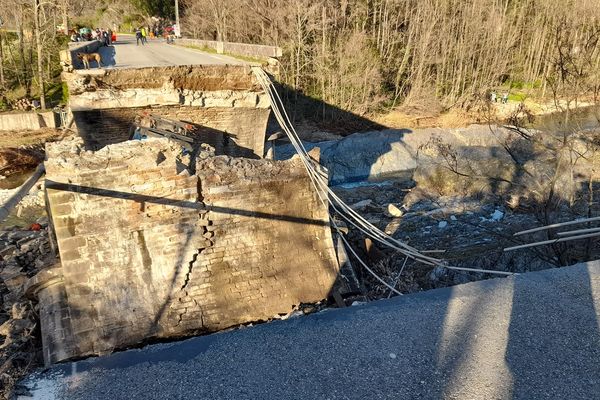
(12, 202)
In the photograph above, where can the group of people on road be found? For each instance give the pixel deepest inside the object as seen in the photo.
(106, 36)
(142, 33)
(494, 97)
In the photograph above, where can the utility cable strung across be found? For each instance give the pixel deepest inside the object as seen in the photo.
(327, 196)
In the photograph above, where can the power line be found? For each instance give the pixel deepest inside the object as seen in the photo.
(328, 197)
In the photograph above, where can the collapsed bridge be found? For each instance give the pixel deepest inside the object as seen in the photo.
(154, 243)
(224, 104)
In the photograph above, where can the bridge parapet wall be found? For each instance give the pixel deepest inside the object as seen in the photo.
(69, 57)
(241, 49)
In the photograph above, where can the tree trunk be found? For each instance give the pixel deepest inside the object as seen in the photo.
(38, 43)
(65, 16)
(2, 82)
(24, 68)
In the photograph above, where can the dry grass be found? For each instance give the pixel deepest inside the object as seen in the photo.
(422, 117)
(413, 119)
(28, 138)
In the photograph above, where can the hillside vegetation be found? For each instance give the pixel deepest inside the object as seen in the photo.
(364, 55)
(33, 33)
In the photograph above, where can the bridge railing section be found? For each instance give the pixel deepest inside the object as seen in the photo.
(241, 49)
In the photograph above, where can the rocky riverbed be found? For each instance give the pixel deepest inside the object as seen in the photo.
(460, 194)
(469, 233)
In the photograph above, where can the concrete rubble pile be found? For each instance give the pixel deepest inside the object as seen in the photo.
(23, 253)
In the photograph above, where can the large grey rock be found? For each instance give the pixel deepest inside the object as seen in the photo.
(394, 152)
(363, 156)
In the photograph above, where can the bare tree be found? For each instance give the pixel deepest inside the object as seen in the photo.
(451, 50)
(38, 43)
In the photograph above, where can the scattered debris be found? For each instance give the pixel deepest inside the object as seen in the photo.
(23, 252)
(394, 211)
(455, 223)
(13, 160)
(361, 204)
(497, 215)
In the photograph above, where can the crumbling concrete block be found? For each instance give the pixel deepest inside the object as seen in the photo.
(240, 240)
(224, 104)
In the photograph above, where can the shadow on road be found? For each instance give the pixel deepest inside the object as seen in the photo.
(108, 55)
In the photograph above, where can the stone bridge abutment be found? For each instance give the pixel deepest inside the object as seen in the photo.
(154, 243)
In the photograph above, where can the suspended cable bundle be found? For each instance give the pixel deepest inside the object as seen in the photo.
(343, 210)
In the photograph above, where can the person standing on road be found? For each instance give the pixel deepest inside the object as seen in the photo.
(105, 38)
(144, 39)
(138, 37)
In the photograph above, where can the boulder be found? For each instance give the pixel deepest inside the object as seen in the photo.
(370, 155)
(394, 211)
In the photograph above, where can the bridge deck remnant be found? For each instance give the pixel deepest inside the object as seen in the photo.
(224, 102)
(125, 54)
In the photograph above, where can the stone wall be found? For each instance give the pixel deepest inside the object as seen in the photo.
(15, 121)
(149, 250)
(226, 106)
(233, 131)
(69, 57)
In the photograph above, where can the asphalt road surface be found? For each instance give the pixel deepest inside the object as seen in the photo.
(125, 53)
(533, 336)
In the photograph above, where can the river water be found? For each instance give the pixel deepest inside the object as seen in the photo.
(559, 122)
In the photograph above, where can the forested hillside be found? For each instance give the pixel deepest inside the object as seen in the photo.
(358, 55)
(362, 55)
(33, 32)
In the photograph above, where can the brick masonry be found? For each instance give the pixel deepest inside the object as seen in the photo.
(149, 250)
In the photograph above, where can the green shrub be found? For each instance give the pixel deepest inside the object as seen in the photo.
(517, 97)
